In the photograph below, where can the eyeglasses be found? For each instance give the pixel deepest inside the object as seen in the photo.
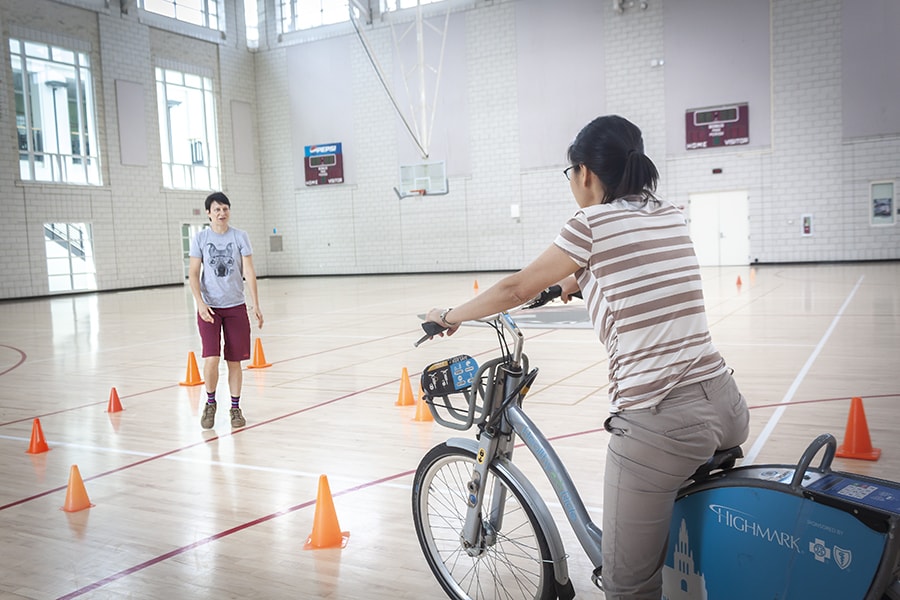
(566, 171)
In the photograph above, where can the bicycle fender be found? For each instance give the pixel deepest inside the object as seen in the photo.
(551, 532)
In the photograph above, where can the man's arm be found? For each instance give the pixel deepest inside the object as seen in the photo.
(203, 310)
(250, 278)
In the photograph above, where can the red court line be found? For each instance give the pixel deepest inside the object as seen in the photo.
(200, 443)
(22, 358)
(222, 534)
(176, 385)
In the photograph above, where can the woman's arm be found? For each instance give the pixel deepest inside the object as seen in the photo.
(550, 267)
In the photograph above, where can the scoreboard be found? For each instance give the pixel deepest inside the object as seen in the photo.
(717, 126)
(324, 164)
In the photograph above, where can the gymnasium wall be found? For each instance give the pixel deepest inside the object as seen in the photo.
(517, 82)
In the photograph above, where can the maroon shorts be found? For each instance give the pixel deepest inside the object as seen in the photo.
(235, 324)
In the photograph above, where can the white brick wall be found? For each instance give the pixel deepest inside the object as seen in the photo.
(363, 227)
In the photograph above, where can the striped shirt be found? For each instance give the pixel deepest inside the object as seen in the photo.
(641, 282)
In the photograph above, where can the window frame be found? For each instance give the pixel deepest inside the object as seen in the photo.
(214, 22)
(39, 71)
(205, 158)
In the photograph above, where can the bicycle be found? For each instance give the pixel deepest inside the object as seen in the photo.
(770, 530)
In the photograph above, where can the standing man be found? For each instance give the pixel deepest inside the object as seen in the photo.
(218, 287)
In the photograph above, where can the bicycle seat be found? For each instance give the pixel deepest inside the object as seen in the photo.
(722, 460)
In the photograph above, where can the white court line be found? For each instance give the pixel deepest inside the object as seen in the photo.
(750, 457)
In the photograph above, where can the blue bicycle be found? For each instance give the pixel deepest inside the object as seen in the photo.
(792, 532)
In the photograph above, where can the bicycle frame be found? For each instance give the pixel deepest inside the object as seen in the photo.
(495, 446)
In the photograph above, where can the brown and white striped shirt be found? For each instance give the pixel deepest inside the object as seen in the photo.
(641, 282)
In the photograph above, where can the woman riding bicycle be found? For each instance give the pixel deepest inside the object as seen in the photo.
(673, 399)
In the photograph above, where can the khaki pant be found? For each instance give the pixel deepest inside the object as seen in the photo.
(651, 453)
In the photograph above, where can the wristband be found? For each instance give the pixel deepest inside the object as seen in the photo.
(444, 318)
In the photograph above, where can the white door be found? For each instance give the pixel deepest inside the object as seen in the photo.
(720, 228)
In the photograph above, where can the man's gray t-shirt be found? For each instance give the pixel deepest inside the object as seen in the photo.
(222, 273)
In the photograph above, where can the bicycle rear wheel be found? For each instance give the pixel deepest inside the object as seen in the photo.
(513, 562)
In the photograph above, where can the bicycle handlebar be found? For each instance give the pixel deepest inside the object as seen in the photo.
(431, 329)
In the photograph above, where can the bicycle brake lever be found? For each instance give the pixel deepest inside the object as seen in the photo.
(431, 329)
(551, 293)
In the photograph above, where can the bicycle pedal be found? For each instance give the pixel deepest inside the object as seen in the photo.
(597, 577)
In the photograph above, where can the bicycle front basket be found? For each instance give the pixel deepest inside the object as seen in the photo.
(448, 384)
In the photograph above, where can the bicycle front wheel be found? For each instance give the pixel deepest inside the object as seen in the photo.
(512, 561)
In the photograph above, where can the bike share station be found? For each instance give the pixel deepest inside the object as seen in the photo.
(756, 532)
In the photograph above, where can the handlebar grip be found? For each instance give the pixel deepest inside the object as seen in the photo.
(551, 293)
(431, 329)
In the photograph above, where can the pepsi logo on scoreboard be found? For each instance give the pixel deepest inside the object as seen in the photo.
(324, 164)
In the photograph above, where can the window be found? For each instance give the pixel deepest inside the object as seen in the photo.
(251, 23)
(389, 5)
(187, 129)
(198, 12)
(305, 14)
(70, 257)
(56, 121)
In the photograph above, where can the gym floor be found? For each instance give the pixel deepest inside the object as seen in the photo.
(180, 512)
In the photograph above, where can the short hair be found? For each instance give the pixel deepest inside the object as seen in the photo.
(217, 197)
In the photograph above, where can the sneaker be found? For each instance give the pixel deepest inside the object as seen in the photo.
(237, 418)
(209, 416)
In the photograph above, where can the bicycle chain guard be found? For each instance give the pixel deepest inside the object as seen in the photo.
(449, 376)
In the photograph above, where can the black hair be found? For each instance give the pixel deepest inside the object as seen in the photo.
(613, 149)
(217, 197)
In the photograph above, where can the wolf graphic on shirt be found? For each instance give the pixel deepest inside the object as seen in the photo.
(221, 261)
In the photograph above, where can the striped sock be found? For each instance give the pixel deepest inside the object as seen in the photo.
(211, 397)
(235, 401)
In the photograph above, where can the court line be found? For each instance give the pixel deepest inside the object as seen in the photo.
(199, 443)
(177, 385)
(763, 437)
(22, 357)
(222, 534)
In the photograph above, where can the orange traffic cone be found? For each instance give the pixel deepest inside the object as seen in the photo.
(857, 443)
(326, 531)
(76, 496)
(423, 413)
(192, 376)
(38, 443)
(738, 282)
(405, 397)
(475, 287)
(259, 357)
(114, 404)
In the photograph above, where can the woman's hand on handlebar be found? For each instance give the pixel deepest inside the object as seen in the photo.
(439, 316)
(569, 289)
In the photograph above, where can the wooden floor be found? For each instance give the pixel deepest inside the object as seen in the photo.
(184, 513)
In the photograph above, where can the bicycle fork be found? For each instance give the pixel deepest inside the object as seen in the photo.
(479, 533)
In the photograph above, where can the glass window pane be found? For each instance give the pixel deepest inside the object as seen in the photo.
(194, 81)
(37, 50)
(63, 56)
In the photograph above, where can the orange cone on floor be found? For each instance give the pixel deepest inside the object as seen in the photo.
(405, 397)
(326, 531)
(475, 287)
(192, 376)
(76, 495)
(857, 443)
(38, 443)
(259, 357)
(423, 413)
(114, 405)
(738, 282)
